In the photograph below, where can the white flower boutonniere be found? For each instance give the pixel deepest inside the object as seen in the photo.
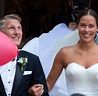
(23, 62)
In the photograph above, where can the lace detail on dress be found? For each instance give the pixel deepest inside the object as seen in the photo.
(82, 80)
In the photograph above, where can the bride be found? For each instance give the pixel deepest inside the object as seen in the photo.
(77, 61)
(80, 60)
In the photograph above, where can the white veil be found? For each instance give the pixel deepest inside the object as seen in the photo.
(46, 46)
(68, 40)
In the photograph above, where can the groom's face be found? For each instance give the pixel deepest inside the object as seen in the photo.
(13, 29)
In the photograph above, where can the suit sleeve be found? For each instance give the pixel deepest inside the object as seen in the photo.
(38, 75)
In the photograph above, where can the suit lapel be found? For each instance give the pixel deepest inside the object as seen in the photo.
(2, 88)
(18, 77)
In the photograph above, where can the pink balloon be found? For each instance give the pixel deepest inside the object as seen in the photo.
(8, 50)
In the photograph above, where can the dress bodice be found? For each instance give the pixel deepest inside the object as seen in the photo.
(82, 80)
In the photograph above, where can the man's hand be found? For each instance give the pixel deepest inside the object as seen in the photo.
(72, 26)
(36, 90)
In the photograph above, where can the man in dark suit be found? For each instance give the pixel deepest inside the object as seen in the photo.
(25, 70)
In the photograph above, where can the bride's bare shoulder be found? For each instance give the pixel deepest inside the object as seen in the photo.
(67, 49)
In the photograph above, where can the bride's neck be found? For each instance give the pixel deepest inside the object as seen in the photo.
(86, 47)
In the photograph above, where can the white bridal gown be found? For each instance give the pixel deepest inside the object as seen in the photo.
(81, 80)
(78, 79)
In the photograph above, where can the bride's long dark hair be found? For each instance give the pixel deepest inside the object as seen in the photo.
(88, 12)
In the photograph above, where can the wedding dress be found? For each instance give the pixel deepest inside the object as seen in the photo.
(78, 79)
(82, 80)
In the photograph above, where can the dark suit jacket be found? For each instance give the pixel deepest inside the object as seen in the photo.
(23, 82)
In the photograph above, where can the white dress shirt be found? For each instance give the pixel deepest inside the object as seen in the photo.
(7, 73)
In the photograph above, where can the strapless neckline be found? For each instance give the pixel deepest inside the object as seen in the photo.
(95, 64)
(82, 80)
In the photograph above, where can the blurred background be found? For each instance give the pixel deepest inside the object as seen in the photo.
(38, 16)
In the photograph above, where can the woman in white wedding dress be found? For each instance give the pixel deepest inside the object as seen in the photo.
(80, 61)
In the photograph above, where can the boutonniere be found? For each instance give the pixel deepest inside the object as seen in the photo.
(23, 62)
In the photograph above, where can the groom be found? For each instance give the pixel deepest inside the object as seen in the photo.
(17, 76)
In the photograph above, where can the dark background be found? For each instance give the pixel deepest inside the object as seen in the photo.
(38, 16)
